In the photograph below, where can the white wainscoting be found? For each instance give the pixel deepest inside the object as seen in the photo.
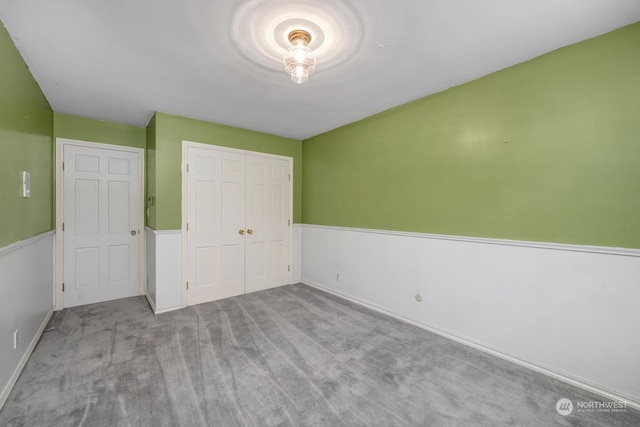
(296, 251)
(568, 311)
(150, 265)
(164, 266)
(164, 269)
(26, 302)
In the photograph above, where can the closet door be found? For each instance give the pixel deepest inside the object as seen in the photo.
(215, 224)
(268, 223)
(238, 222)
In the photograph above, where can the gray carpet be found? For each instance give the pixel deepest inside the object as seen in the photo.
(287, 356)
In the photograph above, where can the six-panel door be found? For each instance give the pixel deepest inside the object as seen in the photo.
(102, 190)
(267, 219)
(238, 223)
(215, 217)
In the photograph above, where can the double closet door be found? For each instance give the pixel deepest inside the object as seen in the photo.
(238, 222)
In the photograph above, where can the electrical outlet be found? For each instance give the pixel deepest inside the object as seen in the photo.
(15, 339)
(338, 277)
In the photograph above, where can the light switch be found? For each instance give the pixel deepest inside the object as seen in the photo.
(26, 184)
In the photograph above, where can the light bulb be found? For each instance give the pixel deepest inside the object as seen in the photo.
(299, 54)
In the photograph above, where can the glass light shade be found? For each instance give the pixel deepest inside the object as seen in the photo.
(299, 62)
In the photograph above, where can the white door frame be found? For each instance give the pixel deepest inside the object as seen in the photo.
(59, 250)
(185, 145)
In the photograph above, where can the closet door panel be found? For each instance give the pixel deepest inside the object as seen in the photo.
(215, 217)
(267, 216)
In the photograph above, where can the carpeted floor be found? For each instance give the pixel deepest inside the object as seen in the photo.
(287, 356)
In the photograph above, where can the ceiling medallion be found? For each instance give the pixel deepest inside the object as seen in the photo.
(260, 29)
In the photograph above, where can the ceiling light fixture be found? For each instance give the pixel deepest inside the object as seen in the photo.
(299, 61)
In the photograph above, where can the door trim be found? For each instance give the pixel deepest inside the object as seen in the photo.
(183, 222)
(58, 297)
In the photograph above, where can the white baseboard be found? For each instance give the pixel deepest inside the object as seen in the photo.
(573, 381)
(16, 374)
(151, 303)
(166, 310)
(153, 306)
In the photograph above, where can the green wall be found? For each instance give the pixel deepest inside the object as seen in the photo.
(165, 176)
(26, 144)
(547, 150)
(85, 129)
(150, 171)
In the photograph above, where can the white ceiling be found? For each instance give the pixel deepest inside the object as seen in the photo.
(219, 60)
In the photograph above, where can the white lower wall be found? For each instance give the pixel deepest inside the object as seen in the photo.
(570, 310)
(164, 266)
(296, 251)
(164, 269)
(26, 302)
(150, 265)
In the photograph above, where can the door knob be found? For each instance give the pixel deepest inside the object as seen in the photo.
(249, 231)
(133, 232)
(241, 232)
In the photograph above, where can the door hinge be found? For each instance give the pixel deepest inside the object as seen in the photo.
(289, 223)
(187, 167)
(288, 268)
(62, 165)
(63, 226)
(187, 285)
(187, 226)
(289, 177)
(62, 287)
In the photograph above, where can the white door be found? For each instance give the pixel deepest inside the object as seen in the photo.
(101, 237)
(268, 223)
(238, 223)
(215, 230)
